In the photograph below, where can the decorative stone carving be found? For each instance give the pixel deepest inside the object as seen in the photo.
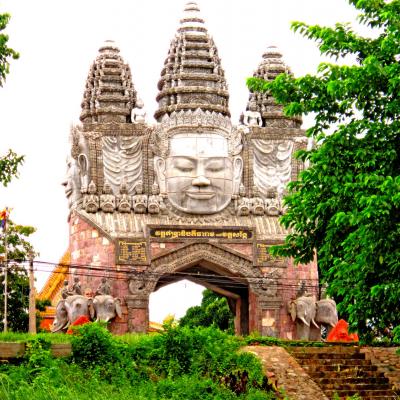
(257, 203)
(107, 199)
(106, 307)
(201, 170)
(138, 114)
(139, 200)
(124, 200)
(136, 284)
(242, 202)
(123, 160)
(76, 286)
(76, 179)
(72, 182)
(156, 202)
(91, 200)
(267, 288)
(65, 292)
(104, 288)
(196, 252)
(252, 117)
(109, 94)
(272, 164)
(272, 204)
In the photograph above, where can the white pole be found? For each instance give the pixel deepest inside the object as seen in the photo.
(32, 305)
(5, 274)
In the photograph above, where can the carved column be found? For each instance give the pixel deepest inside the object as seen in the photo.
(270, 315)
(269, 303)
(137, 302)
(138, 312)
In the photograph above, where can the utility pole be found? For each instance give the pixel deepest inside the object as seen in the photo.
(5, 275)
(32, 301)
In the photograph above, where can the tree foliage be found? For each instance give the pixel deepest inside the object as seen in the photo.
(347, 204)
(19, 250)
(10, 162)
(6, 53)
(213, 311)
(9, 166)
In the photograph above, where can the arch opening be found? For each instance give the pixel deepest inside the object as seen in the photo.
(217, 279)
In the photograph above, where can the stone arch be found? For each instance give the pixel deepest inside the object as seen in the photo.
(231, 275)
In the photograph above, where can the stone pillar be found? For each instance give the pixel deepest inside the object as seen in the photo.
(138, 312)
(270, 316)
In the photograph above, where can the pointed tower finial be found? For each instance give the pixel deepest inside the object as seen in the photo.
(109, 93)
(192, 77)
(263, 103)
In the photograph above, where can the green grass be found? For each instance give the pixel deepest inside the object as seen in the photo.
(24, 337)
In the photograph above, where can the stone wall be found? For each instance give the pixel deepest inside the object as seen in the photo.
(286, 374)
(387, 360)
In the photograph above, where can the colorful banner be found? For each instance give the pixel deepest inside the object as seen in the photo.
(4, 216)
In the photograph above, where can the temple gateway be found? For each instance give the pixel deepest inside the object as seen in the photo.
(187, 196)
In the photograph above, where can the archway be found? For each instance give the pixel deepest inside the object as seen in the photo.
(216, 267)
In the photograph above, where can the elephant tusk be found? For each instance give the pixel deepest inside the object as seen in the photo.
(304, 321)
(315, 324)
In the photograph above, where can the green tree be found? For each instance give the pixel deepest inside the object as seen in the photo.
(213, 311)
(9, 166)
(10, 162)
(346, 205)
(17, 277)
(6, 53)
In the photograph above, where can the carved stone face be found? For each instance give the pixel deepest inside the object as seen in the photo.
(72, 182)
(198, 175)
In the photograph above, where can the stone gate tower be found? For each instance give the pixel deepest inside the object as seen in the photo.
(191, 196)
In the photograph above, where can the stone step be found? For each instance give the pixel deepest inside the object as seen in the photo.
(362, 386)
(349, 373)
(342, 381)
(339, 356)
(364, 394)
(334, 362)
(338, 368)
(325, 350)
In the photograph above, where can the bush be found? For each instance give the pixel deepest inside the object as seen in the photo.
(180, 363)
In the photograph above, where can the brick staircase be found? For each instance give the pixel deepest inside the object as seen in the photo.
(343, 370)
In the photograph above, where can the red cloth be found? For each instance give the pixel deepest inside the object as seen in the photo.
(82, 320)
(340, 333)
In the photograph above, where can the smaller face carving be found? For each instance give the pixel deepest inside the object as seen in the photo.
(199, 173)
(72, 182)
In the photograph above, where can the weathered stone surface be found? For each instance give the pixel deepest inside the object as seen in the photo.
(344, 370)
(283, 370)
(388, 362)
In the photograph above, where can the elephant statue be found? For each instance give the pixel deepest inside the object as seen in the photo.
(327, 315)
(106, 307)
(70, 309)
(303, 311)
(308, 313)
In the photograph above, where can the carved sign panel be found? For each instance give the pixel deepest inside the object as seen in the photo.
(130, 251)
(263, 258)
(166, 233)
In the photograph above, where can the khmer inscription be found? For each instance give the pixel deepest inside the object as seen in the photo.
(201, 233)
(131, 252)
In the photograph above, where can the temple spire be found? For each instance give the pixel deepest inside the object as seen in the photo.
(269, 68)
(192, 76)
(109, 94)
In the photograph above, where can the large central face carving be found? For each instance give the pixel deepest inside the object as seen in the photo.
(198, 174)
